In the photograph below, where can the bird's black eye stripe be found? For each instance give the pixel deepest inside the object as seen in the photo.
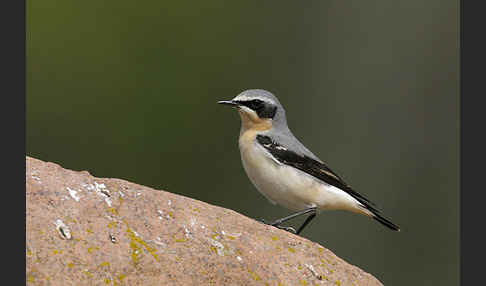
(262, 108)
(254, 104)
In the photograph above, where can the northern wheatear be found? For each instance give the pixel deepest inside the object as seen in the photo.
(284, 170)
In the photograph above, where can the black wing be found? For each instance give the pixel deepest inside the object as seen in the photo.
(312, 167)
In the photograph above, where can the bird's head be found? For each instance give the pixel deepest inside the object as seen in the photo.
(257, 108)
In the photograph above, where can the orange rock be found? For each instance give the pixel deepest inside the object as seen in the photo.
(83, 230)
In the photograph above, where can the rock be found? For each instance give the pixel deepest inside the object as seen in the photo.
(83, 230)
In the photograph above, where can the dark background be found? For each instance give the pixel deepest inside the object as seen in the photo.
(128, 89)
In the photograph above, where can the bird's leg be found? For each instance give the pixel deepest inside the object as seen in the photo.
(306, 222)
(277, 223)
(294, 215)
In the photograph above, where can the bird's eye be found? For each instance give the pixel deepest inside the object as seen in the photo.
(256, 104)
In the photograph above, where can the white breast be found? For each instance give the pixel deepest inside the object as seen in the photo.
(290, 187)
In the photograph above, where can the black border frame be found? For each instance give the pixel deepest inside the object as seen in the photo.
(472, 142)
(13, 116)
(472, 49)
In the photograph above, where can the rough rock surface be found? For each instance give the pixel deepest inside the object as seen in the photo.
(83, 230)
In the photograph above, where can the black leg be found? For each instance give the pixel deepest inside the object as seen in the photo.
(294, 215)
(306, 222)
(277, 223)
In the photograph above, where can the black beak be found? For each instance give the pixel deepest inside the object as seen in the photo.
(228, 102)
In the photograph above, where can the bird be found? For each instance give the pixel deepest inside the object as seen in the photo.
(284, 171)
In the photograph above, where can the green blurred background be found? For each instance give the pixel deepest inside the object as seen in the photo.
(128, 89)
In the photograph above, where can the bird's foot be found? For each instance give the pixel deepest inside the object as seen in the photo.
(287, 228)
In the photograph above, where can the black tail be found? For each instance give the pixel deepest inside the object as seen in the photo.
(371, 210)
(385, 222)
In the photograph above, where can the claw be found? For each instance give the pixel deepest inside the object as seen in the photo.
(287, 228)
